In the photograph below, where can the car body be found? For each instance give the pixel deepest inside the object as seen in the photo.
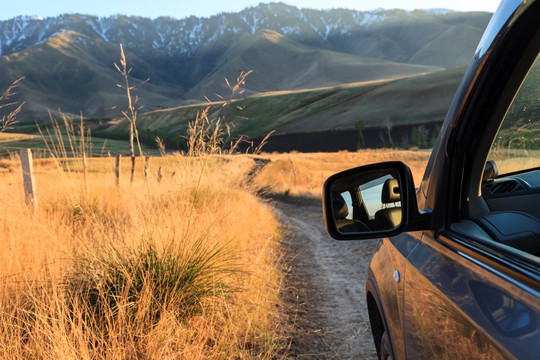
(456, 274)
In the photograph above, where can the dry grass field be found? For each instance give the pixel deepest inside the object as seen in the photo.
(188, 267)
(184, 268)
(303, 174)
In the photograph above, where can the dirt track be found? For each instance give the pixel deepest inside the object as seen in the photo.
(325, 288)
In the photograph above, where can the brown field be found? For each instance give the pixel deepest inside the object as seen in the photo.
(138, 237)
(94, 271)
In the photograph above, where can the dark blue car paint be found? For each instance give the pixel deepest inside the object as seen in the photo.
(390, 255)
(458, 296)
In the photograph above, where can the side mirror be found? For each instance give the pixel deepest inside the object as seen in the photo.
(371, 201)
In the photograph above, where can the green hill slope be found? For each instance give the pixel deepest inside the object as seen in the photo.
(464, 37)
(413, 100)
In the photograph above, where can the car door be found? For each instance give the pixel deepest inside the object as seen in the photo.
(458, 308)
(472, 282)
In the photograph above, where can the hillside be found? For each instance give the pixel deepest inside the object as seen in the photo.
(394, 35)
(401, 104)
(74, 72)
(279, 63)
(67, 61)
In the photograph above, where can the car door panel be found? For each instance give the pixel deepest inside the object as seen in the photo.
(456, 308)
(389, 258)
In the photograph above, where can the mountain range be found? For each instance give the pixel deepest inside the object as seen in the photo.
(68, 61)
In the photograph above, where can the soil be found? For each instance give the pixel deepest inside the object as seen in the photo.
(324, 288)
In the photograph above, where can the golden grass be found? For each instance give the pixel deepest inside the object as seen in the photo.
(43, 316)
(84, 234)
(300, 174)
(517, 160)
(8, 137)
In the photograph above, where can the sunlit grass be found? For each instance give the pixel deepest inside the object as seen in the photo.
(187, 266)
(183, 268)
(301, 174)
(13, 142)
(9, 137)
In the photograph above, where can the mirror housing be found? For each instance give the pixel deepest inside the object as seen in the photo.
(372, 201)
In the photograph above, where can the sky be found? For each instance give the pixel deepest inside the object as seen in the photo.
(205, 8)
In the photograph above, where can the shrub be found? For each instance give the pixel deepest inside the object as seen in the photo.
(145, 281)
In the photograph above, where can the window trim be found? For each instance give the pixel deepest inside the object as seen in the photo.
(488, 101)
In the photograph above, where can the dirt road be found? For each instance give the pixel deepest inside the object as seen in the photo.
(325, 287)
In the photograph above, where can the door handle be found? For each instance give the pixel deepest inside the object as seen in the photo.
(397, 276)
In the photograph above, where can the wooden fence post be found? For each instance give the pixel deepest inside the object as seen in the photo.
(159, 175)
(146, 165)
(117, 169)
(84, 171)
(30, 196)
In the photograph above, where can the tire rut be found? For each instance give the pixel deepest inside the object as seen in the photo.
(324, 290)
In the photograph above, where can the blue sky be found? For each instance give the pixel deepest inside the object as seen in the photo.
(206, 8)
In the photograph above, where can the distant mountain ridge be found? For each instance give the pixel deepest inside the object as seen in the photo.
(331, 29)
(67, 61)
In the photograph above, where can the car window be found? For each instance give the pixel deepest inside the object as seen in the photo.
(517, 144)
(511, 181)
(370, 193)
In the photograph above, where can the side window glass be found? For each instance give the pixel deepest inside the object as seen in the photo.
(511, 186)
(517, 144)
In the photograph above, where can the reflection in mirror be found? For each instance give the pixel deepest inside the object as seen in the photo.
(367, 201)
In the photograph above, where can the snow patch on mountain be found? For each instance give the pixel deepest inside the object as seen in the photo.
(186, 36)
(439, 11)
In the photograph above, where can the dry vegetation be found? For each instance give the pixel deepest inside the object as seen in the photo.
(188, 267)
(302, 175)
(185, 265)
(7, 121)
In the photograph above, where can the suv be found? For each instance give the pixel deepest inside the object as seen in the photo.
(457, 272)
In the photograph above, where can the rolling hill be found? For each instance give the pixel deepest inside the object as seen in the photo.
(279, 63)
(75, 73)
(67, 61)
(393, 105)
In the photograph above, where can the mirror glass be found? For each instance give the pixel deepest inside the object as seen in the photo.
(366, 201)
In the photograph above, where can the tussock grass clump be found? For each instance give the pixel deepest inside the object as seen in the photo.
(6, 164)
(145, 281)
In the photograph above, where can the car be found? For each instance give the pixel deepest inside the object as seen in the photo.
(456, 272)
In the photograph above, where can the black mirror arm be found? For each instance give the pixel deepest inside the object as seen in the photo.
(420, 220)
(416, 220)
